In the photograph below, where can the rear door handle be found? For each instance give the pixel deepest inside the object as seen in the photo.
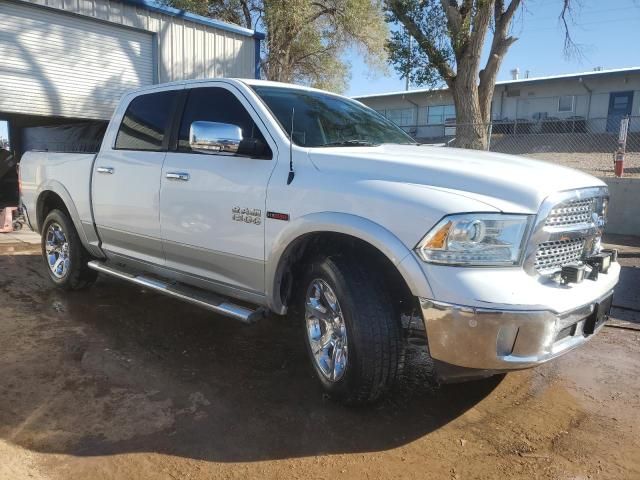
(177, 176)
(108, 170)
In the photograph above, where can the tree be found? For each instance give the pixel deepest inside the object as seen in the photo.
(306, 39)
(449, 36)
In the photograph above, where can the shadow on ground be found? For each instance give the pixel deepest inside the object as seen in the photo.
(117, 369)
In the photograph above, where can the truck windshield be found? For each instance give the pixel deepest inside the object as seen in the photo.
(324, 120)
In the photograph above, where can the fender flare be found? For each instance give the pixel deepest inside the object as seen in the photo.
(59, 189)
(353, 225)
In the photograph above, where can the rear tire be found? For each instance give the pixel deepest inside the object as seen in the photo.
(64, 255)
(352, 333)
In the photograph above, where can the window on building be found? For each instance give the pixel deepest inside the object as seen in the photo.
(145, 122)
(402, 116)
(565, 103)
(215, 104)
(437, 115)
(449, 114)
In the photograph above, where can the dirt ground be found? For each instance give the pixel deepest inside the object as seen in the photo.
(116, 382)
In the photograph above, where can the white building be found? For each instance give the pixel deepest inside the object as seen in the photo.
(595, 101)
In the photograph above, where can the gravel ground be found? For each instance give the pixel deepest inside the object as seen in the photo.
(116, 382)
(597, 164)
(591, 153)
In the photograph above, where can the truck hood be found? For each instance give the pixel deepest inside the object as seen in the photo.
(506, 182)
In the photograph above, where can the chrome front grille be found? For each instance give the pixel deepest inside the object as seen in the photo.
(567, 230)
(570, 213)
(551, 256)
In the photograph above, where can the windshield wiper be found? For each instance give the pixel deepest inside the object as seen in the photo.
(350, 143)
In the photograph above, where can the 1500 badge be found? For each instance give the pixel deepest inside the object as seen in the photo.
(247, 215)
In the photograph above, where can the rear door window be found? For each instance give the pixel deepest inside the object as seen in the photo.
(146, 122)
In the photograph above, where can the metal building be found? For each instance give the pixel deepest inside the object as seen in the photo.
(68, 62)
(75, 58)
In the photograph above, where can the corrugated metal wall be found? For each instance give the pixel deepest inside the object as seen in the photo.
(186, 49)
(175, 49)
(54, 64)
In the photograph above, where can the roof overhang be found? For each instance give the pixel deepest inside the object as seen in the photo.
(521, 81)
(192, 17)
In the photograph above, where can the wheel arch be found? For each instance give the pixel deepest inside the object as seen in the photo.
(328, 232)
(48, 200)
(54, 195)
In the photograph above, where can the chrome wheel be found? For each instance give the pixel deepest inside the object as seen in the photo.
(326, 330)
(57, 250)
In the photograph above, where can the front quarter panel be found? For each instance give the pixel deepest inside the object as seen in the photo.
(391, 216)
(348, 224)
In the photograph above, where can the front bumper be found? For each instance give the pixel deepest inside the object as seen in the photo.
(498, 340)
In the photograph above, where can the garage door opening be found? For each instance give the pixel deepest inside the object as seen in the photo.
(52, 134)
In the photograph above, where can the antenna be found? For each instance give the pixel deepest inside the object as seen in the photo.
(292, 172)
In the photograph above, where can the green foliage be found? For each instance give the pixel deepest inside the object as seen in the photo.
(449, 37)
(306, 39)
(404, 52)
(232, 11)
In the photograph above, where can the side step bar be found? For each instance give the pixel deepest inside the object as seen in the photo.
(183, 292)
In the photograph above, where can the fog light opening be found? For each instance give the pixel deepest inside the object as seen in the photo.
(506, 340)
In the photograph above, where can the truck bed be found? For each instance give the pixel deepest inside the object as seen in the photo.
(66, 174)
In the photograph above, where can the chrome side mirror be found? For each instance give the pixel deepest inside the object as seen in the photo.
(214, 137)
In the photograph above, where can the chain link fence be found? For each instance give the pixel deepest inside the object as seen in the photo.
(585, 144)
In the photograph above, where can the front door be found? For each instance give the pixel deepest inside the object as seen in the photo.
(212, 205)
(126, 179)
(619, 107)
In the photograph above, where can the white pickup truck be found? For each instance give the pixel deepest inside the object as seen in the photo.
(248, 197)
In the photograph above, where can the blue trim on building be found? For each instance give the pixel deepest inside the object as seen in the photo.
(257, 45)
(192, 17)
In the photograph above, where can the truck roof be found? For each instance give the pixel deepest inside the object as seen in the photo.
(246, 81)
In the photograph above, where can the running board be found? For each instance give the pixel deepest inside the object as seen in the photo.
(198, 297)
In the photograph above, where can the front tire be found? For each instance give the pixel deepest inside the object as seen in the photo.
(352, 334)
(64, 255)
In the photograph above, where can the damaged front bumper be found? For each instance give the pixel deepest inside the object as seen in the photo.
(476, 342)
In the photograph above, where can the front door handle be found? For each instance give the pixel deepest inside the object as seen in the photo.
(177, 176)
(108, 170)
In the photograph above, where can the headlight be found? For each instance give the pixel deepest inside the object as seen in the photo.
(475, 239)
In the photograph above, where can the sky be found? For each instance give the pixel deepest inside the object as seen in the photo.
(607, 30)
(3, 129)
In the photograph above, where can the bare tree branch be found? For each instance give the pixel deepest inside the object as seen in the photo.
(571, 49)
(247, 13)
(454, 19)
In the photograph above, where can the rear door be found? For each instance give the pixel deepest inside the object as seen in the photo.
(126, 178)
(212, 205)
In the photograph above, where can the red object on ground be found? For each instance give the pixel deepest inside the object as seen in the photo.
(619, 164)
(6, 219)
